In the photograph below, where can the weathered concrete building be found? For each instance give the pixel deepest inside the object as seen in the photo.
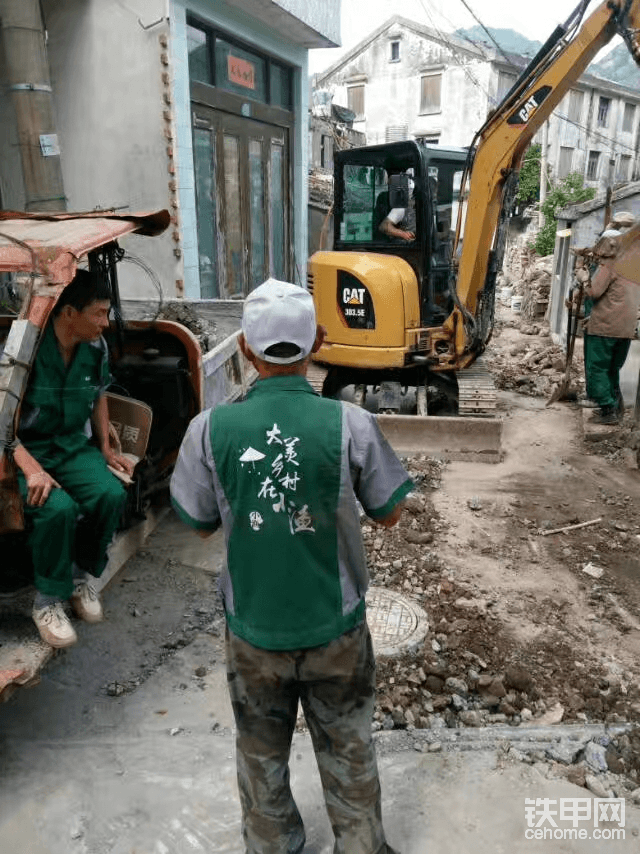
(405, 80)
(199, 106)
(330, 130)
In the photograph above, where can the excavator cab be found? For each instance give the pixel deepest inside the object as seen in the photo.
(389, 277)
(422, 182)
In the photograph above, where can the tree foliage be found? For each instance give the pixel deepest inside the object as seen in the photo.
(529, 180)
(569, 191)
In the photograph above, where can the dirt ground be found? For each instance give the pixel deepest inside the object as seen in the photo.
(523, 627)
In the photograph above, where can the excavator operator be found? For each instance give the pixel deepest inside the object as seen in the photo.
(400, 223)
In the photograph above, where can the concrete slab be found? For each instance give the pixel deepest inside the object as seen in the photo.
(22, 653)
(181, 542)
(472, 439)
(139, 791)
(630, 374)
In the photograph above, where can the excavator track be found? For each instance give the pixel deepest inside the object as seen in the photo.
(477, 393)
(448, 437)
(315, 376)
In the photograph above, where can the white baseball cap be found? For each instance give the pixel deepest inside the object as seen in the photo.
(279, 313)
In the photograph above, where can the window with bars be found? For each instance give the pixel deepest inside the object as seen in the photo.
(430, 93)
(565, 161)
(576, 99)
(592, 165)
(396, 133)
(628, 118)
(395, 52)
(603, 112)
(355, 100)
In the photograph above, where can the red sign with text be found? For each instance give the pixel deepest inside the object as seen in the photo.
(241, 72)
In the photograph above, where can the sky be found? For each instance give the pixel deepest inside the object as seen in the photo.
(534, 20)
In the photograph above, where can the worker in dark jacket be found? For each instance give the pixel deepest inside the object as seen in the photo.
(282, 470)
(611, 327)
(62, 474)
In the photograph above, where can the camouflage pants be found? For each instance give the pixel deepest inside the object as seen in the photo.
(336, 685)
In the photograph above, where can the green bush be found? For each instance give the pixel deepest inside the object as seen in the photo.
(569, 191)
(529, 178)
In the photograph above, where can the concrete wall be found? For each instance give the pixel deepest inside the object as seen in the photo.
(578, 227)
(258, 34)
(393, 89)
(587, 226)
(323, 16)
(107, 64)
(106, 77)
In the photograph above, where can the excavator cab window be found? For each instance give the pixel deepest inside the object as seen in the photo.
(365, 192)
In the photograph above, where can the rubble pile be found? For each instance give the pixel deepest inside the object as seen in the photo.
(471, 672)
(517, 260)
(183, 313)
(607, 765)
(623, 447)
(533, 365)
(536, 288)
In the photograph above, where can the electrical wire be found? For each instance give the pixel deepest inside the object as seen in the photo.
(134, 259)
(594, 133)
(454, 52)
(476, 18)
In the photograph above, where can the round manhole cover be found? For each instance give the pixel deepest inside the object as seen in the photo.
(395, 622)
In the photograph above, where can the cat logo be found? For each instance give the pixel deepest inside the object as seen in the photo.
(522, 115)
(353, 296)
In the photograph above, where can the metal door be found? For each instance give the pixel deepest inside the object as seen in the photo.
(242, 196)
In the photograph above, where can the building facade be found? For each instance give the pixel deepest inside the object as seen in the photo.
(199, 106)
(330, 130)
(407, 81)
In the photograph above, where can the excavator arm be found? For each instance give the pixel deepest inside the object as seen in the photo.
(502, 141)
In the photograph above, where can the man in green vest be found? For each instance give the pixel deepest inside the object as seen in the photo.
(62, 475)
(283, 471)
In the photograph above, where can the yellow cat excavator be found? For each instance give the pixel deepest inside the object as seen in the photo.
(407, 295)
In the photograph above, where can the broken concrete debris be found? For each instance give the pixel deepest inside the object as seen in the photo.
(593, 571)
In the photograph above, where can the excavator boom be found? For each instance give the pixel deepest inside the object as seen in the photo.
(502, 141)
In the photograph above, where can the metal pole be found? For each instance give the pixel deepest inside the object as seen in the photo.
(607, 207)
(543, 171)
(27, 79)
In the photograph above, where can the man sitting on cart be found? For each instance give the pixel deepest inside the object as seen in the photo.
(72, 501)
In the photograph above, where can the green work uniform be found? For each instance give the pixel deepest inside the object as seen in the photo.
(603, 361)
(283, 470)
(53, 427)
